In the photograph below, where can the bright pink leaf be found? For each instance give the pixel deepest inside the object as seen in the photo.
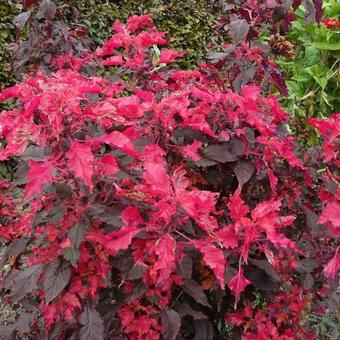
(38, 175)
(80, 159)
(214, 258)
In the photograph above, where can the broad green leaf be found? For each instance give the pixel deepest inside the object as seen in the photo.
(329, 46)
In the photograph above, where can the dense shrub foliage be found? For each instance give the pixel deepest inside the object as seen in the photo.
(160, 203)
(189, 23)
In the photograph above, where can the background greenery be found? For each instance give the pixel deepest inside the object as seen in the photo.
(188, 22)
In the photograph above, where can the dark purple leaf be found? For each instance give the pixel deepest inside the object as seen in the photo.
(15, 248)
(308, 282)
(76, 234)
(219, 153)
(192, 288)
(185, 310)
(47, 10)
(185, 267)
(92, 325)
(33, 153)
(306, 266)
(6, 332)
(71, 255)
(310, 11)
(23, 324)
(243, 171)
(25, 281)
(238, 30)
(136, 272)
(267, 267)
(203, 330)
(171, 322)
(21, 19)
(138, 290)
(109, 215)
(56, 279)
(318, 10)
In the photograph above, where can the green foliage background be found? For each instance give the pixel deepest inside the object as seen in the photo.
(188, 22)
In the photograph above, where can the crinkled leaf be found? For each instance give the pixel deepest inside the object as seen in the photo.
(80, 159)
(92, 325)
(219, 153)
(238, 30)
(21, 19)
(203, 330)
(243, 171)
(171, 323)
(56, 279)
(192, 288)
(25, 282)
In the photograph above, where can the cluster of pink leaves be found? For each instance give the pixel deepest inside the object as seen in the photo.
(107, 169)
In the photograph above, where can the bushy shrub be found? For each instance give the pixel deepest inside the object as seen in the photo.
(155, 202)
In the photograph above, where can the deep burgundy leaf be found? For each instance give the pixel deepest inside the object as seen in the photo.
(203, 330)
(76, 234)
(185, 310)
(23, 324)
(56, 279)
(184, 267)
(243, 171)
(238, 30)
(92, 325)
(25, 282)
(171, 323)
(16, 247)
(21, 19)
(267, 267)
(47, 10)
(219, 153)
(192, 288)
(7, 332)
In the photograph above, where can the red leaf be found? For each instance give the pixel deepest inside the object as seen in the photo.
(168, 56)
(237, 207)
(120, 141)
(114, 241)
(214, 258)
(331, 214)
(227, 237)
(108, 164)
(165, 250)
(191, 150)
(80, 162)
(333, 266)
(238, 283)
(38, 175)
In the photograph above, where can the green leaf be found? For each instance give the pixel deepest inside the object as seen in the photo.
(329, 46)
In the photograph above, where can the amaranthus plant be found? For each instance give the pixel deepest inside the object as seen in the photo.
(153, 202)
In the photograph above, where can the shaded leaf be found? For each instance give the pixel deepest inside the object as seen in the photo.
(219, 153)
(184, 267)
(203, 330)
(243, 171)
(267, 267)
(47, 10)
(192, 288)
(16, 247)
(56, 279)
(238, 30)
(92, 325)
(25, 282)
(21, 19)
(76, 234)
(185, 310)
(171, 322)
(136, 272)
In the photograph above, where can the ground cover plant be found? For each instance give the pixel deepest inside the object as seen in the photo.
(152, 202)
